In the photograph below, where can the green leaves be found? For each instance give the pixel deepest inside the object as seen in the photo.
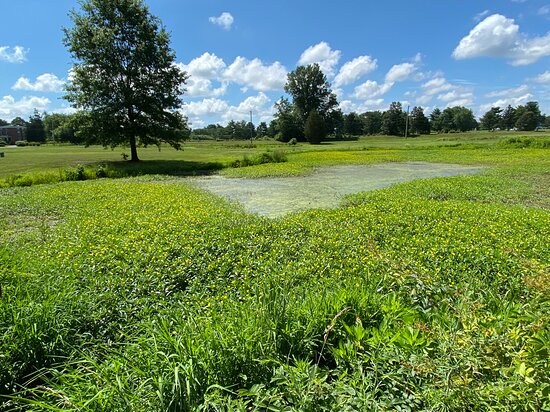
(148, 294)
(124, 78)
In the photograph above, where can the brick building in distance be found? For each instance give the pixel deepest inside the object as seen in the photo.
(12, 133)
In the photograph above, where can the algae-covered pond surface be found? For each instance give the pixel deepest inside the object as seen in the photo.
(324, 188)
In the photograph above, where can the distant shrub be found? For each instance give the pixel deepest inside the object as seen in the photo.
(276, 156)
(24, 180)
(521, 142)
(21, 143)
(75, 174)
(292, 141)
(101, 171)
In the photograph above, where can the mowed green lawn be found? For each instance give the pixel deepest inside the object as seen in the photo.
(20, 160)
(149, 294)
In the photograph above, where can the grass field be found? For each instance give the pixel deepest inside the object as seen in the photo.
(149, 294)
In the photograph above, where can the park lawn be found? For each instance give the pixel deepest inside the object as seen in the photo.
(21, 160)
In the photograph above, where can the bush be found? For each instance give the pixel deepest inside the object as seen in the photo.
(101, 171)
(277, 156)
(524, 142)
(292, 141)
(21, 143)
(75, 174)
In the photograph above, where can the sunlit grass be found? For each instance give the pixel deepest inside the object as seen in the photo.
(148, 294)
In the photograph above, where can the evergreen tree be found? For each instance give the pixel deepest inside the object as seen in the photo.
(508, 118)
(419, 123)
(372, 122)
(35, 128)
(353, 124)
(261, 130)
(435, 120)
(447, 120)
(315, 130)
(492, 119)
(393, 120)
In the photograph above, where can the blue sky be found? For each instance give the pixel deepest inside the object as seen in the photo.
(238, 52)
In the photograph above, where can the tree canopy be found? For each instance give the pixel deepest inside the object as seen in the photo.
(311, 92)
(315, 129)
(124, 78)
(35, 128)
(393, 120)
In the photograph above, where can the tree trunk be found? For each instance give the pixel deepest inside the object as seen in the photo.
(133, 150)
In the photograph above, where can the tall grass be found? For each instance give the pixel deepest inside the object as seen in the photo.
(143, 295)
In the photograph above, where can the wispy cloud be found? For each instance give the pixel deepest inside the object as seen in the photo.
(479, 16)
(16, 54)
(224, 20)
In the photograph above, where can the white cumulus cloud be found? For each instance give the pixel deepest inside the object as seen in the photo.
(46, 82)
(17, 55)
(322, 54)
(371, 89)
(499, 36)
(224, 20)
(256, 75)
(205, 107)
(11, 108)
(355, 69)
(258, 105)
(213, 110)
(197, 87)
(203, 71)
(400, 72)
(206, 66)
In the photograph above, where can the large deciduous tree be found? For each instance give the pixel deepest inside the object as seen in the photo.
(124, 78)
(311, 92)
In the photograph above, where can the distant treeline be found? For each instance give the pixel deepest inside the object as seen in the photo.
(63, 128)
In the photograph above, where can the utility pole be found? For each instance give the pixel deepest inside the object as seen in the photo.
(251, 127)
(407, 122)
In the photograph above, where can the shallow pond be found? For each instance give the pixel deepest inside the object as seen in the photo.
(322, 189)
